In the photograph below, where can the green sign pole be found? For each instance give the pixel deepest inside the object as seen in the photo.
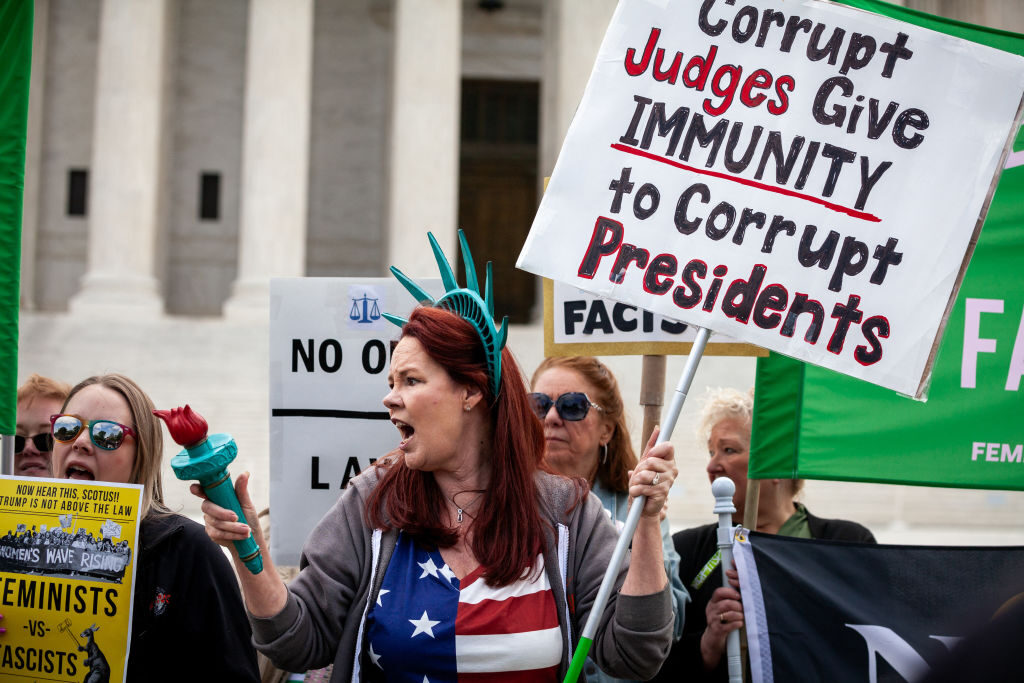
(15, 67)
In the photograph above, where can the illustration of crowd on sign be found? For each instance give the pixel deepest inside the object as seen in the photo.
(61, 552)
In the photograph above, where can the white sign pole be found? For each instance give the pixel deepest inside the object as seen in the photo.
(633, 518)
(6, 454)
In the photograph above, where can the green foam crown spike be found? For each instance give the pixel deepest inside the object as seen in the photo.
(466, 302)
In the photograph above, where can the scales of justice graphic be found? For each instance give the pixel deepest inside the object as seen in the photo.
(366, 313)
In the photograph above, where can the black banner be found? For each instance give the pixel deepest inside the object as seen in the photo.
(830, 611)
(83, 558)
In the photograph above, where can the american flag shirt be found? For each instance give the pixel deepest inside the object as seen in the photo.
(427, 626)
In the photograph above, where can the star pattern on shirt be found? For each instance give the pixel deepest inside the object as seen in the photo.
(447, 572)
(423, 625)
(375, 657)
(380, 593)
(428, 567)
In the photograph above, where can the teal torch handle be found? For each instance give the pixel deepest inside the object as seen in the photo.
(219, 489)
(207, 462)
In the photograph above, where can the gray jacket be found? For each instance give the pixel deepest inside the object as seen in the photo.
(343, 564)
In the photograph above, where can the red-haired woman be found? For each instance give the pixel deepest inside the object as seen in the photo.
(459, 553)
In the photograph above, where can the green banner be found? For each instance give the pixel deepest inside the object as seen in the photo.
(15, 67)
(813, 423)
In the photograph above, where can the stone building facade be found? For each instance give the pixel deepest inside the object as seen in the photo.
(211, 145)
(182, 152)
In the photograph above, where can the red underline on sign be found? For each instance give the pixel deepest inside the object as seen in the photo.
(750, 183)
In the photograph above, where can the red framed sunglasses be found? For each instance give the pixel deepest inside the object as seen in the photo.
(107, 435)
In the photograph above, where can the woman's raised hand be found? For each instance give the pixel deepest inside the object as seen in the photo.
(265, 593)
(654, 474)
(223, 525)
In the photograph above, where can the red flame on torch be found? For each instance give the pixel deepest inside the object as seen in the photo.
(187, 427)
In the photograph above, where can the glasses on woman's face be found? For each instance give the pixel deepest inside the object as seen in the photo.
(40, 441)
(104, 434)
(571, 406)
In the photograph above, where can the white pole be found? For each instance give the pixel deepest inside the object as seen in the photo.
(633, 518)
(723, 489)
(7, 454)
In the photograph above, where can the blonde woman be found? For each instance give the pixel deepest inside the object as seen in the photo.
(716, 610)
(188, 622)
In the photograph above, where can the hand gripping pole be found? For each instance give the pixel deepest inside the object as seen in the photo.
(633, 518)
(723, 489)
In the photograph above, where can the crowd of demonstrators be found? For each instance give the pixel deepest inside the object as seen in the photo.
(461, 531)
(579, 403)
(467, 509)
(188, 622)
(716, 610)
(59, 537)
(496, 516)
(38, 398)
(59, 552)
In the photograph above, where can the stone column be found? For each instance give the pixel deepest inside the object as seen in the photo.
(275, 152)
(424, 157)
(33, 150)
(127, 178)
(573, 31)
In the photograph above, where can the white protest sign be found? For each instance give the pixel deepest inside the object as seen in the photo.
(110, 529)
(577, 322)
(329, 353)
(797, 175)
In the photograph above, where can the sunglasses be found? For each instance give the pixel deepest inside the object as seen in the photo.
(40, 441)
(572, 406)
(105, 434)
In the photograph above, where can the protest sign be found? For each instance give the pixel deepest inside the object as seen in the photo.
(16, 58)
(812, 423)
(67, 564)
(790, 175)
(849, 612)
(329, 353)
(577, 323)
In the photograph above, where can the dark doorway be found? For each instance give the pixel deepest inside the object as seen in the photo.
(498, 185)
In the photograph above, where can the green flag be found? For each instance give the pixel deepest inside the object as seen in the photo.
(816, 424)
(15, 67)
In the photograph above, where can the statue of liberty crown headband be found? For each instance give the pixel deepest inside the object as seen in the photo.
(465, 302)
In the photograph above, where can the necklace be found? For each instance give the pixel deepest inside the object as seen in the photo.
(460, 510)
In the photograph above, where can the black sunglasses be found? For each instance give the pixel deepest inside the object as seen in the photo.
(41, 441)
(571, 406)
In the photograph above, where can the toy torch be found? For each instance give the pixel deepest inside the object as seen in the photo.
(206, 459)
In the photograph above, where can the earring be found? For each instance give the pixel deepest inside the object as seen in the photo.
(604, 457)
(468, 407)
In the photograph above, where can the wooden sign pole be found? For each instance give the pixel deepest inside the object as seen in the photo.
(750, 506)
(652, 389)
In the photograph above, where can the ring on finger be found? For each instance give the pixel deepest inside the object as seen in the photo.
(722, 619)
(657, 478)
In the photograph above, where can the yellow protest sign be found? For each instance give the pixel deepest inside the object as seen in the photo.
(67, 565)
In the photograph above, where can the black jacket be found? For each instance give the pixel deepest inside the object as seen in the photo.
(188, 621)
(990, 654)
(695, 547)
